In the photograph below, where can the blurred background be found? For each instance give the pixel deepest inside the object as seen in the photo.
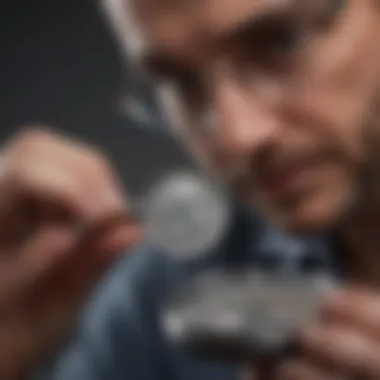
(60, 66)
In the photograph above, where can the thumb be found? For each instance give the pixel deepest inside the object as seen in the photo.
(95, 255)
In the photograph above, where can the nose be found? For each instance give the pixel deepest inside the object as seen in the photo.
(246, 123)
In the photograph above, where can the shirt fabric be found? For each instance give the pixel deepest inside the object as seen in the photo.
(119, 337)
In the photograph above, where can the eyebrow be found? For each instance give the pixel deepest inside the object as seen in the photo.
(165, 65)
(165, 4)
(282, 10)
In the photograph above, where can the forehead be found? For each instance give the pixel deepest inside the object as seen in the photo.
(175, 25)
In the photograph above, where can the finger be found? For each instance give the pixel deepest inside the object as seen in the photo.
(92, 257)
(357, 308)
(53, 168)
(117, 239)
(341, 349)
(35, 179)
(102, 249)
(303, 370)
(88, 165)
(55, 187)
(37, 258)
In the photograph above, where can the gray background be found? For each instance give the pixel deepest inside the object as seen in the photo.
(59, 65)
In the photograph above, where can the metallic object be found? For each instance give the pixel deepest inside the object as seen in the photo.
(184, 215)
(243, 315)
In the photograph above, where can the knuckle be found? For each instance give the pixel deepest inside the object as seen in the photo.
(30, 139)
(33, 134)
(16, 176)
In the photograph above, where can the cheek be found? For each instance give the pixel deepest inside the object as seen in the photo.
(340, 116)
(344, 77)
(342, 119)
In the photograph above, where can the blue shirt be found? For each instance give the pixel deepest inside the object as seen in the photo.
(120, 338)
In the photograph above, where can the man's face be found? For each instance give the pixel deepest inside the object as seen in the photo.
(279, 96)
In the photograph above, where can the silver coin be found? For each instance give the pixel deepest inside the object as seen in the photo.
(185, 215)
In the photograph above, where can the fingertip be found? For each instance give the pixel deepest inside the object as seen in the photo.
(121, 239)
(56, 240)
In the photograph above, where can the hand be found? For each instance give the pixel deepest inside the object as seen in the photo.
(63, 220)
(343, 343)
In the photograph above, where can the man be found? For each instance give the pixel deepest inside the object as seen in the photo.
(280, 98)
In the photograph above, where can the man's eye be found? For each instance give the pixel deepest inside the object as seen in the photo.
(270, 46)
(280, 41)
(185, 82)
(190, 87)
